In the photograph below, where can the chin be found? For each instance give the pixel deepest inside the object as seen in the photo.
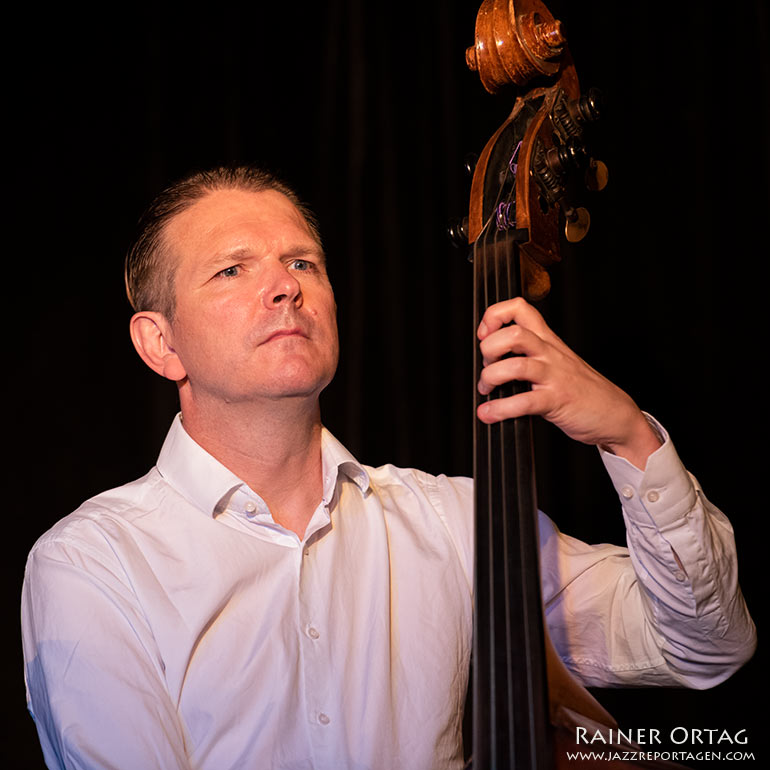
(302, 376)
(297, 387)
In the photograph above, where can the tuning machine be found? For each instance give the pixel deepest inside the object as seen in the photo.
(596, 175)
(561, 166)
(577, 222)
(457, 230)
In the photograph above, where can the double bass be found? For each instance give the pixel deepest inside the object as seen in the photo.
(525, 704)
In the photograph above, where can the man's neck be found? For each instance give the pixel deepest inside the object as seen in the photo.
(274, 447)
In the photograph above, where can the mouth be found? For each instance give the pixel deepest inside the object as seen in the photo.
(283, 333)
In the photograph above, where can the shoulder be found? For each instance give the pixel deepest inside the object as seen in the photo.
(440, 491)
(103, 518)
(429, 503)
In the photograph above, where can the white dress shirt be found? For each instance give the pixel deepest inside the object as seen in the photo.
(171, 623)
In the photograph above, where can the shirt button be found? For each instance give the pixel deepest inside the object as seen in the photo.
(653, 496)
(680, 576)
(324, 718)
(627, 492)
(313, 633)
(250, 507)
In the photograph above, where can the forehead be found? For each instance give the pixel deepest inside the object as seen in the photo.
(230, 220)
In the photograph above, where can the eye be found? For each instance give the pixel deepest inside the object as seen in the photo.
(230, 272)
(302, 265)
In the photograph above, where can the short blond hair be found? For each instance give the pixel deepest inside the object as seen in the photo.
(150, 267)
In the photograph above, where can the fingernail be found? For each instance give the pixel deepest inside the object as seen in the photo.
(483, 329)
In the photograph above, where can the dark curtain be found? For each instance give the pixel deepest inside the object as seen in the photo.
(368, 110)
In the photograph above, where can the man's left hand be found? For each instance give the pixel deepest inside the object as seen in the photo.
(565, 390)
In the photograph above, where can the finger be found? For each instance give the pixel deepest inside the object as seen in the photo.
(516, 310)
(518, 405)
(510, 339)
(518, 368)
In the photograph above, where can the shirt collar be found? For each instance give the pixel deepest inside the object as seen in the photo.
(202, 480)
(336, 460)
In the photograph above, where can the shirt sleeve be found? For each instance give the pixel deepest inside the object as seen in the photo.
(666, 610)
(95, 684)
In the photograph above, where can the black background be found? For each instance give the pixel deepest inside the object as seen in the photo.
(368, 110)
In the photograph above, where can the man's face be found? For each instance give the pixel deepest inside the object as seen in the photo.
(255, 313)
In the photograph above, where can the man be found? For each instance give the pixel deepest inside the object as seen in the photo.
(261, 599)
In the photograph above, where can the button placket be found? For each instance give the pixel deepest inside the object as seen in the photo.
(318, 688)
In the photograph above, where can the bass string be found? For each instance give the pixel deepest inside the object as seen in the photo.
(506, 514)
(496, 269)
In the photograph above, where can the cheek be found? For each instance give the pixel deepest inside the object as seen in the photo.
(331, 324)
(321, 304)
(209, 329)
(325, 315)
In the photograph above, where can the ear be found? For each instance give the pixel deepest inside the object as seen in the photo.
(151, 335)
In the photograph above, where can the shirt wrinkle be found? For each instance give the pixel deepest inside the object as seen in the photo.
(351, 647)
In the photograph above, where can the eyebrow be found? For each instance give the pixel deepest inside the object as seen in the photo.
(245, 253)
(304, 251)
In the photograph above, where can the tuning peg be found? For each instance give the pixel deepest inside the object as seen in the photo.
(469, 163)
(577, 224)
(574, 116)
(588, 108)
(596, 175)
(565, 158)
(457, 230)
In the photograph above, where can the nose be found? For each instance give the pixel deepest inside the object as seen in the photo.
(281, 288)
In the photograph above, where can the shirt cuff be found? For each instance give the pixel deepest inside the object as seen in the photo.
(663, 492)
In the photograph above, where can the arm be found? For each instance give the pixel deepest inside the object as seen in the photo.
(95, 683)
(683, 551)
(666, 611)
